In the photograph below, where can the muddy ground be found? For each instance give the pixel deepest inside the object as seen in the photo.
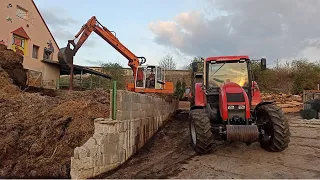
(169, 155)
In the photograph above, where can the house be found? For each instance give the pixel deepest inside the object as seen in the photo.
(24, 30)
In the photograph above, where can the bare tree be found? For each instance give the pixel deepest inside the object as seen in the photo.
(167, 62)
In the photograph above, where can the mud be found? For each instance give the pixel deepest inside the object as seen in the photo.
(11, 62)
(170, 155)
(39, 132)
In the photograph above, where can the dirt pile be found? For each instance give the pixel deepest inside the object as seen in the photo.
(39, 132)
(288, 102)
(11, 62)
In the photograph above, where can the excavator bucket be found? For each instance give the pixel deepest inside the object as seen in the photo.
(65, 55)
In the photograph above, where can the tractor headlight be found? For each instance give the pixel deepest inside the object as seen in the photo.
(230, 107)
(242, 107)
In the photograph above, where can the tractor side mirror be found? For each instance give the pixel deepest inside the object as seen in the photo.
(263, 64)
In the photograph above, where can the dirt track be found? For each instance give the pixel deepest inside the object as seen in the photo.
(169, 155)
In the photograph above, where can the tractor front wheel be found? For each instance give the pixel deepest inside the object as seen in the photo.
(275, 127)
(200, 131)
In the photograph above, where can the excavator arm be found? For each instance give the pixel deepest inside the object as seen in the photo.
(66, 54)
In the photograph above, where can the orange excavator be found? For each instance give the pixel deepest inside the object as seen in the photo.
(147, 78)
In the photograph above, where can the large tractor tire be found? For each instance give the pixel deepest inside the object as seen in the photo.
(276, 127)
(200, 131)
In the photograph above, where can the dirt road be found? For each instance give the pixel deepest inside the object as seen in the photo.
(169, 155)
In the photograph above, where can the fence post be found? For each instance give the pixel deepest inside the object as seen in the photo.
(114, 100)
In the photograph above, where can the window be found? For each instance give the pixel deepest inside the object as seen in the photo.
(35, 51)
(18, 41)
(159, 74)
(227, 72)
(22, 13)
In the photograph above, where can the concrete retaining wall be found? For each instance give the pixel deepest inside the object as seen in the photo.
(114, 141)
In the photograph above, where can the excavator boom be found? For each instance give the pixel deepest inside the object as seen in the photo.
(66, 54)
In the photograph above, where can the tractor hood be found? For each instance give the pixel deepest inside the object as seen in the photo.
(231, 87)
(232, 94)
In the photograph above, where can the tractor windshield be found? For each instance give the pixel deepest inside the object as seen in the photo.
(227, 72)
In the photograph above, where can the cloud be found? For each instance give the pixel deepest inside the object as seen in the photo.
(272, 29)
(51, 17)
(60, 24)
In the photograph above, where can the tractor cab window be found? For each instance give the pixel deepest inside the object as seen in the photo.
(150, 77)
(220, 73)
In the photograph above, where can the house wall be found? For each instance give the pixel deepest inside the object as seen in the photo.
(35, 28)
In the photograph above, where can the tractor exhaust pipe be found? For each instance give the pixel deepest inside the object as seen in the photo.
(243, 133)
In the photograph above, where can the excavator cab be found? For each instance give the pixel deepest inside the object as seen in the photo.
(151, 79)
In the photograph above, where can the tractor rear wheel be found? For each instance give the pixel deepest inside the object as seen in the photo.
(200, 131)
(276, 127)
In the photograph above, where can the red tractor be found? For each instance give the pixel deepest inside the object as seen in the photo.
(226, 104)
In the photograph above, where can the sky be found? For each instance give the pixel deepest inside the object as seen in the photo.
(274, 29)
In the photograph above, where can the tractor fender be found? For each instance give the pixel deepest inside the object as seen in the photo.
(261, 104)
(199, 97)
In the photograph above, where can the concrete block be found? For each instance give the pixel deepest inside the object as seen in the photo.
(122, 156)
(87, 162)
(121, 139)
(120, 101)
(134, 149)
(100, 138)
(91, 143)
(96, 171)
(138, 107)
(76, 163)
(76, 153)
(83, 152)
(137, 98)
(115, 158)
(127, 106)
(111, 128)
(98, 128)
(113, 138)
(98, 161)
(133, 107)
(124, 115)
(107, 158)
(112, 149)
(137, 115)
(122, 127)
(128, 98)
(82, 174)
(94, 151)
(120, 115)
(105, 146)
(125, 142)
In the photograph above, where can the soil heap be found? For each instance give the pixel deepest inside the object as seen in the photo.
(40, 130)
(11, 62)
